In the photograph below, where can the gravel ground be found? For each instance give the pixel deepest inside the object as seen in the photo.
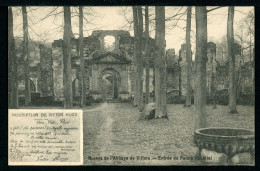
(113, 135)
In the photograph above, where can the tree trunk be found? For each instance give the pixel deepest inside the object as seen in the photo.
(140, 59)
(160, 64)
(238, 81)
(147, 77)
(154, 84)
(26, 58)
(13, 63)
(231, 59)
(253, 74)
(82, 60)
(200, 62)
(67, 58)
(188, 57)
(250, 49)
(179, 73)
(222, 55)
(135, 54)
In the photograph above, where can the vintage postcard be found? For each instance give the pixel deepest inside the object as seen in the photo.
(131, 85)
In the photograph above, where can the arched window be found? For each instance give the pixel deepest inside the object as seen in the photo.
(32, 86)
(109, 43)
(76, 88)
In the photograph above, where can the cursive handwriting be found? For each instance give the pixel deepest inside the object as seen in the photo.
(45, 137)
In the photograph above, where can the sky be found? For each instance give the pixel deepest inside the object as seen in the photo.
(111, 18)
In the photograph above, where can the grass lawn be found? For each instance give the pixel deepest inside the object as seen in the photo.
(113, 129)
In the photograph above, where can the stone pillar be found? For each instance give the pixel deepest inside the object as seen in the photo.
(183, 74)
(238, 63)
(74, 48)
(211, 67)
(57, 66)
(99, 85)
(102, 44)
(113, 85)
(94, 77)
(126, 78)
(117, 39)
(151, 80)
(46, 72)
(36, 84)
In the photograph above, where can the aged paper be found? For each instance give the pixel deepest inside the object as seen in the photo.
(45, 137)
(144, 96)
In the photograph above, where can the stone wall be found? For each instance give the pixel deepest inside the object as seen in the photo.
(40, 69)
(183, 70)
(57, 66)
(93, 49)
(211, 66)
(45, 79)
(173, 70)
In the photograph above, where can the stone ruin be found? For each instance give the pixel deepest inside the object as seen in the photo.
(110, 69)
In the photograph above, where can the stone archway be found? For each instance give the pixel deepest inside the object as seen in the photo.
(110, 82)
(76, 88)
(32, 86)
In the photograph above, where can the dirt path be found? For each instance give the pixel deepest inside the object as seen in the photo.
(105, 135)
(104, 138)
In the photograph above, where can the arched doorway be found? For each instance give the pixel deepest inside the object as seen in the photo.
(110, 81)
(76, 88)
(32, 86)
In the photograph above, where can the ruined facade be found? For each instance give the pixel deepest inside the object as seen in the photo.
(211, 66)
(40, 70)
(109, 68)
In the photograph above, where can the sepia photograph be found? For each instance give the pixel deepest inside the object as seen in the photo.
(131, 85)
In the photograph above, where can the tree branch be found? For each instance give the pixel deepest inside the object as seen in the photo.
(212, 9)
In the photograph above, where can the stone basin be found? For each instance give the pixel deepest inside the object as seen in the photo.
(229, 141)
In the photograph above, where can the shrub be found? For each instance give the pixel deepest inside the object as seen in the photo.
(123, 92)
(96, 92)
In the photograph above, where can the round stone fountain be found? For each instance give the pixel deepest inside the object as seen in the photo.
(229, 141)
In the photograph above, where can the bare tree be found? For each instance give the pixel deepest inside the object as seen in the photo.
(248, 24)
(140, 58)
(82, 60)
(188, 57)
(13, 62)
(200, 63)
(147, 76)
(160, 64)
(67, 58)
(231, 61)
(135, 54)
(25, 55)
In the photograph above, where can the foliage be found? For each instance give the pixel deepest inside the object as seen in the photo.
(95, 92)
(123, 92)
